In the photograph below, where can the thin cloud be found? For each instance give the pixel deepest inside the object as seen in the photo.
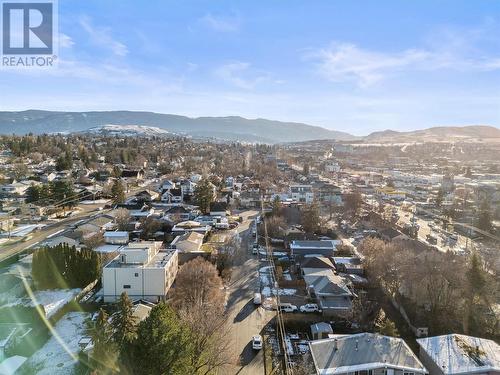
(240, 75)
(457, 50)
(101, 36)
(347, 62)
(220, 23)
(65, 41)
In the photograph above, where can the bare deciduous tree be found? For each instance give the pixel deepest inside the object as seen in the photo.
(122, 218)
(199, 299)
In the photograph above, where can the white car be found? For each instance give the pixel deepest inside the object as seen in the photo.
(257, 342)
(257, 299)
(287, 307)
(308, 308)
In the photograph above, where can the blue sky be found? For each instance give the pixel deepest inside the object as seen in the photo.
(356, 66)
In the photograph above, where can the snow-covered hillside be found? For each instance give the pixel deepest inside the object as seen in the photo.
(128, 130)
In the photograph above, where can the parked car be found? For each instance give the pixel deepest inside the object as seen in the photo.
(257, 342)
(257, 299)
(287, 307)
(309, 308)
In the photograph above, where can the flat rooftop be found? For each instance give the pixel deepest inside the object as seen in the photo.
(160, 260)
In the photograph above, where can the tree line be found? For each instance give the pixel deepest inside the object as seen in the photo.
(451, 293)
(64, 266)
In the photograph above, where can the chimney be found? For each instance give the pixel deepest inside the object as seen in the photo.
(356, 345)
(335, 345)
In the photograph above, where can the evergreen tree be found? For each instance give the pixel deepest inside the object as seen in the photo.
(32, 194)
(484, 216)
(62, 190)
(276, 206)
(388, 328)
(123, 322)
(163, 345)
(310, 218)
(204, 195)
(63, 266)
(104, 354)
(439, 197)
(117, 192)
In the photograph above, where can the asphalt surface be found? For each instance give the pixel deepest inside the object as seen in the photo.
(247, 319)
(50, 228)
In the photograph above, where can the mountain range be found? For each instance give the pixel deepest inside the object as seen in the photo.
(225, 128)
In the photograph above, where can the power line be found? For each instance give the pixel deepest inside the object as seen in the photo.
(279, 316)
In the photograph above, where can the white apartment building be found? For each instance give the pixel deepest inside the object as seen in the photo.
(302, 193)
(142, 270)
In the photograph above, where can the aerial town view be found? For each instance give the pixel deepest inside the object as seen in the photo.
(226, 187)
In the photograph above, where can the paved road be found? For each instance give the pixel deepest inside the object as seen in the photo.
(247, 319)
(7, 251)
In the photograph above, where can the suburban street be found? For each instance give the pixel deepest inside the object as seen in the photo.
(246, 319)
(6, 251)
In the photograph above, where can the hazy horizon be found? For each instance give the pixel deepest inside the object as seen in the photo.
(349, 131)
(403, 66)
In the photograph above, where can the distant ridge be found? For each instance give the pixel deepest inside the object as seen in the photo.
(231, 128)
(437, 134)
(228, 128)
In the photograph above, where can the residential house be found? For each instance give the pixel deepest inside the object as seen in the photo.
(68, 238)
(331, 166)
(330, 291)
(146, 196)
(316, 262)
(321, 330)
(302, 193)
(391, 234)
(188, 242)
(187, 187)
(459, 354)
(17, 188)
(173, 196)
(132, 174)
(218, 209)
(142, 213)
(249, 199)
(302, 248)
(389, 193)
(166, 185)
(328, 193)
(142, 270)
(364, 354)
(190, 226)
(116, 238)
(350, 265)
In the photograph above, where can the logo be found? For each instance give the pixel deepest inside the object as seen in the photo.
(28, 34)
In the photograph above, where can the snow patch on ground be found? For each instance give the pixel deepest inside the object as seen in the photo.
(266, 269)
(52, 300)
(267, 292)
(53, 358)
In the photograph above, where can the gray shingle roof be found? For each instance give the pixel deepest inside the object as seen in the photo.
(363, 351)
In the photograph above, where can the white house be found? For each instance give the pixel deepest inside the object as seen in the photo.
(459, 354)
(17, 188)
(302, 193)
(332, 166)
(142, 270)
(116, 238)
(364, 354)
